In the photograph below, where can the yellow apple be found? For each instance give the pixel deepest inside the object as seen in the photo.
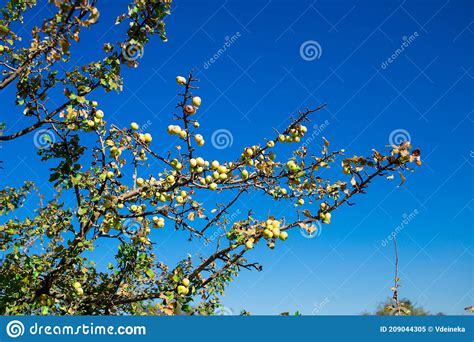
(180, 80)
(148, 137)
(196, 101)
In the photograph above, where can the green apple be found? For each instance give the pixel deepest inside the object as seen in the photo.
(276, 232)
(213, 186)
(196, 101)
(283, 236)
(267, 233)
(248, 152)
(200, 161)
(182, 290)
(170, 179)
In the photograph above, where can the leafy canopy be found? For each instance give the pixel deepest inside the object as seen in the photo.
(117, 200)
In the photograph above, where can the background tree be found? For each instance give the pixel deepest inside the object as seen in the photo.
(48, 267)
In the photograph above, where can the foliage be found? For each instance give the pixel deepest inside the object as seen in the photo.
(407, 308)
(48, 266)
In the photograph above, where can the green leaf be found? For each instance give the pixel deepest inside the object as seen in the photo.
(150, 273)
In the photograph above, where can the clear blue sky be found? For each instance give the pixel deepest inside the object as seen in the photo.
(426, 91)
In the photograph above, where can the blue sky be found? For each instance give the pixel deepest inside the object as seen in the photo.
(424, 93)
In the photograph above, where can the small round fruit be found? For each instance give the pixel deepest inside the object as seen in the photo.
(283, 236)
(148, 137)
(183, 290)
(134, 126)
(170, 179)
(213, 186)
(196, 101)
(267, 233)
(248, 152)
(185, 282)
(180, 80)
(188, 109)
(140, 181)
(249, 244)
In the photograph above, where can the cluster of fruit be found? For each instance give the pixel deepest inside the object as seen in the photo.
(295, 134)
(78, 288)
(323, 214)
(183, 288)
